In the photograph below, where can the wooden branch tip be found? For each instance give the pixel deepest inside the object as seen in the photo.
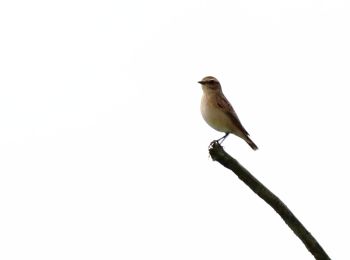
(218, 154)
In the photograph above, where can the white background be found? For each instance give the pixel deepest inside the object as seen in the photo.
(103, 151)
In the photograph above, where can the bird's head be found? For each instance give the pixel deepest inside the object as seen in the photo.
(210, 83)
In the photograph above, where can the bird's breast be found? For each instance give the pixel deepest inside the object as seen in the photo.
(213, 115)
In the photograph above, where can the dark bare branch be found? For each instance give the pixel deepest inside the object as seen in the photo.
(217, 153)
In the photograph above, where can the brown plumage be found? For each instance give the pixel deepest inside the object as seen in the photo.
(218, 112)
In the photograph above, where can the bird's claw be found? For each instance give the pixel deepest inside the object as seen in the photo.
(213, 143)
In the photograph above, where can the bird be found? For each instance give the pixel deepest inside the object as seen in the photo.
(219, 113)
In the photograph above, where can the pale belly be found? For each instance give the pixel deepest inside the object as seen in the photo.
(215, 117)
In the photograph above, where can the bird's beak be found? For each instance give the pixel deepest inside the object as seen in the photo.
(201, 82)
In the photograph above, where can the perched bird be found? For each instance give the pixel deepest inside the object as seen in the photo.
(218, 112)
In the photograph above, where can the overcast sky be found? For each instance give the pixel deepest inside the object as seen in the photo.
(103, 150)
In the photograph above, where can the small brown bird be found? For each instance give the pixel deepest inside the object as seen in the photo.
(218, 112)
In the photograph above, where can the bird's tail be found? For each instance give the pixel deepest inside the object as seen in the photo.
(251, 143)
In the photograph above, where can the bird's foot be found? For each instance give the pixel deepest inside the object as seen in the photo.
(214, 143)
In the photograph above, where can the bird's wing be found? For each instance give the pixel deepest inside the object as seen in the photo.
(225, 105)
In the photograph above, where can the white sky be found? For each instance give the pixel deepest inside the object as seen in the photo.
(103, 151)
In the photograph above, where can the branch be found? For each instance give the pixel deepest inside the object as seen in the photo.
(217, 153)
